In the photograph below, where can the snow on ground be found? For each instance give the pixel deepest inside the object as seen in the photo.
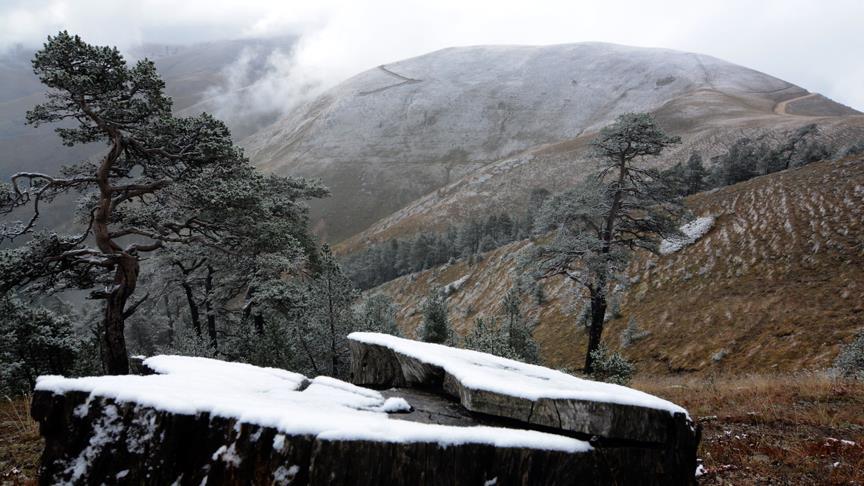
(455, 285)
(328, 408)
(481, 371)
(692, 231)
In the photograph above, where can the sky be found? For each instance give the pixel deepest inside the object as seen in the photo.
(816, 44)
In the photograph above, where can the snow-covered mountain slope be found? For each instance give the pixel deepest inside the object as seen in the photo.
(398, 132)
(774, 284)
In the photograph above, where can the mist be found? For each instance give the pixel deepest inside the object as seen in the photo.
(813, 44)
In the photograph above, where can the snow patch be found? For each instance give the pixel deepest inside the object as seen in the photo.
(284, 476)
(455, 285)
(692, 231)
(106, 430)
(395, 405)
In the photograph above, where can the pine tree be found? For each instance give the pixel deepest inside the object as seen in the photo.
(487, 243)
(599, 222)
(520, 340)
(165, 182)
(332, 295)
(486, 337)
(378, 314)
(695, 174)
(435, 327)
(33, 341)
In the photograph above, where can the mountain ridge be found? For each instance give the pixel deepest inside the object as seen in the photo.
(390, 136)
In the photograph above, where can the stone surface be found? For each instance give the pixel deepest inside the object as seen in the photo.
(92, 438)
(612, 427)
(379, 366)
(124, 443)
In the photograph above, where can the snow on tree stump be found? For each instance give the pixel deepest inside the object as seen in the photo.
(197, 420)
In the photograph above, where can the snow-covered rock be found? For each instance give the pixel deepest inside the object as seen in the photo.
(530, 395)
(485, 372)
(196, 420)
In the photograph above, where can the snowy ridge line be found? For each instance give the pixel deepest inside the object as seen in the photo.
(328, 409)
(485, 372)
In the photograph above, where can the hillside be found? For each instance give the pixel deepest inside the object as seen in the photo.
(464, 129)
(775, 285)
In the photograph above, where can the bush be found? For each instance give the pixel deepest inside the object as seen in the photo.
(436, 324)
(632, 333)
(850, 361)
(33, 341)
(377, 313)
(611, 367)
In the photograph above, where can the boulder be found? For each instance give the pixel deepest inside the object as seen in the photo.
(195, 421)
(610, 416)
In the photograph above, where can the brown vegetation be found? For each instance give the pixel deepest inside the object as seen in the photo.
(20, 444)
(774, 286)
(803, 428)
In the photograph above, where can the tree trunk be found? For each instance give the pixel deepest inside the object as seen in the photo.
(332, 320)
(259, 323)
(193, 307)
(208, 308)
(170, 317)
(595, 332)
(114, 354)
(307, 351)
(598, 294)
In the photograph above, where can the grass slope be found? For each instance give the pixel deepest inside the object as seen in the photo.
(776, 284)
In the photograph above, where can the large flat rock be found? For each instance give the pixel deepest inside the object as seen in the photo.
(191, 420)
(117, 442)
(195, 421)
(531, 396)
(505, 388)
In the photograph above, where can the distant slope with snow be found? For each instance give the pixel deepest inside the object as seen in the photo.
(399, 132)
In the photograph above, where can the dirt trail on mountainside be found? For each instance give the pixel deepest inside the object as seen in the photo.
(780, 108)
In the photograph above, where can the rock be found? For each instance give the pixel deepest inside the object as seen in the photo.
(125, 443)
(609, 425)
(195, 420)
(379, 366)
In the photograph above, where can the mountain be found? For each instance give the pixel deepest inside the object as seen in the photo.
(774, 285)
(436, 137)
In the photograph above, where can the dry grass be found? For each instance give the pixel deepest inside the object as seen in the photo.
(20, 444)
(784, 429)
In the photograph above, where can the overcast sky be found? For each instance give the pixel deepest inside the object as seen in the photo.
(817, 44)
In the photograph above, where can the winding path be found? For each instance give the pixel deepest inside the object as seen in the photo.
(402, 80)
(780, 108)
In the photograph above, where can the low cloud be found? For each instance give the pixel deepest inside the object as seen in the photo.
(812, 43)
